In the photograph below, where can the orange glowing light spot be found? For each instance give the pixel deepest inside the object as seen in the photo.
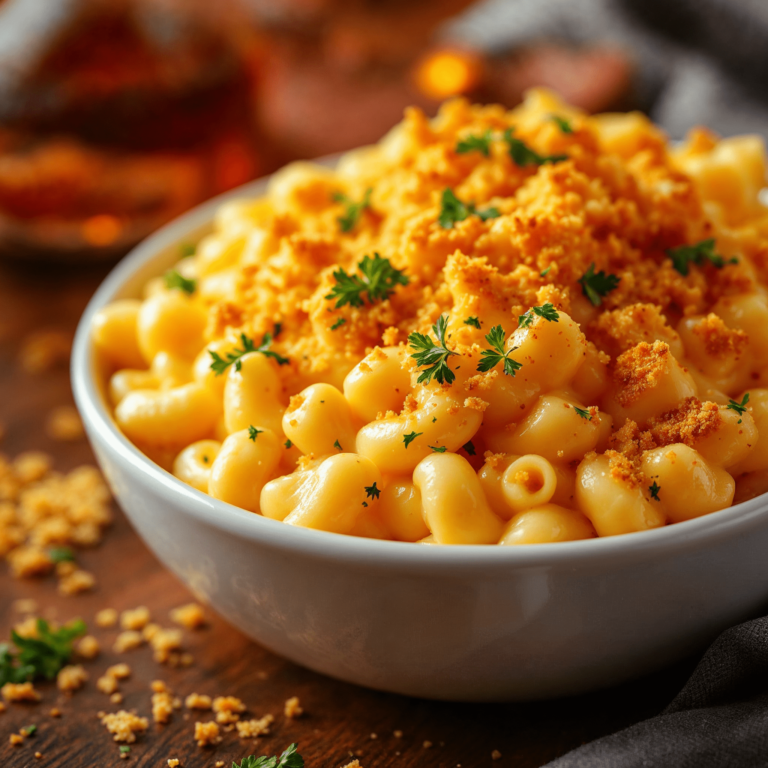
(101, 230)
(447, 73)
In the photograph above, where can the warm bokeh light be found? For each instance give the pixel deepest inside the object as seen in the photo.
(102, 230)
(447, 73)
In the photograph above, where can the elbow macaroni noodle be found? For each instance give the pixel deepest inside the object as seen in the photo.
(445, 341)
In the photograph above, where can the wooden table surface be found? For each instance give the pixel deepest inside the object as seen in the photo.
(340, 719)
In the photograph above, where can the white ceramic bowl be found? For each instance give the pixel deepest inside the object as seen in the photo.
(463, 622)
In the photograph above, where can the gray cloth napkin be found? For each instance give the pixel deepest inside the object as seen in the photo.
(718, 720)
(698, 62)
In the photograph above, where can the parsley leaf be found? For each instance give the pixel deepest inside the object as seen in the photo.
(174, 279)
(378, 279)
(61, 555)
(583, 412)
(438, 448)
(654, 489)
(489, 358)
(698, 253)
(288, 444)
(253, 433)
(125, 749)
(289, 759)
(469, 448)
(452, 210)
(372, 492)
(41, 656)
(431, 355)
(562, 123)
(29, 730)
(408, 439)
(741, 407)
(337, 445)
(547, 311)
(545, 272)
(219, 364)
(595, 285)
(339, 323)
(473, 321)
(353, 210)
(474, 143)
(523, 156)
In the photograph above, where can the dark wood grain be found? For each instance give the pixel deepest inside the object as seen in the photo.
(340, 719)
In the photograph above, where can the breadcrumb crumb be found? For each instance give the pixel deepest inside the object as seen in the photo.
(191, 616)
(88, 647)
(495, 755)
(293, 707)
(16, 740)
(71, 678)
(135, 619)
(128, 641)
(106, 618)
(124, 725)
(228, 709)
(64, 424)
(207, 734)
(77, 582)
(198, 701)
(19, 692)
(250, 729)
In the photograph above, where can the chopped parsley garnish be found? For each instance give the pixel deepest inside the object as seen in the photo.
(339, 323)
(61, 555)
(187, 249)
(562, 123)
(469, 448)
(253, 433)
(174, 279)
(473, 321)
(278, 329)
(125, 749)
(595, 285)
(41, 656)
(654, 489)
(545, 272)
(741, 407)
(289, 759)
(699, 253)
(489, 358)
(474, 143)
(351, 216)
(583, 412)
(288, 444)
(29, 730)
(219, 364)
(408, 439)
(522, 155)
(337, 445)
(547, 311)
(438, 448)
(433, 356)
(372, 492)
(452, 210)
(378, 278)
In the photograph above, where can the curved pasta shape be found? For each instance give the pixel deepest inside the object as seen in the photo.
(454, 506)
(193, 465)
(529, 481)
(546, 524)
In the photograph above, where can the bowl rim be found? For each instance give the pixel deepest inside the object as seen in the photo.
(699, 532)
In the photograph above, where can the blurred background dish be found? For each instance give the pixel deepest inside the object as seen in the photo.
(117, 115)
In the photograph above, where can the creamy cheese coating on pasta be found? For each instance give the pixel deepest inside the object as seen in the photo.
(492, 327)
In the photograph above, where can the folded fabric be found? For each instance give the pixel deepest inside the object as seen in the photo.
(718, 720)
(698, 62)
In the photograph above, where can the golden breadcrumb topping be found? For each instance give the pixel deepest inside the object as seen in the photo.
(638, 369)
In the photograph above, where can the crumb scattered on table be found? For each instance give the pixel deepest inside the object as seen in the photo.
(198, 701)
(71, 678)
(135, 619)
(124, 725)
(293, 708)
(207, 734)
(250, 729)
(19, 692)
(106, 618)
(64, 424)
(190, 616)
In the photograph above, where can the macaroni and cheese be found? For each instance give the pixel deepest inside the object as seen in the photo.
(492, 327)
